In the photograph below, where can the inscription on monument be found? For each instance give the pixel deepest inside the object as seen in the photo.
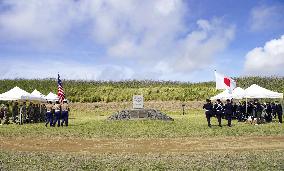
(138, 102)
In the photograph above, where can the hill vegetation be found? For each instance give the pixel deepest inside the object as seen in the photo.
(109, 91)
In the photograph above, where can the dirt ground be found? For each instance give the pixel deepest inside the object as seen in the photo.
(141, 146)
(159, 105)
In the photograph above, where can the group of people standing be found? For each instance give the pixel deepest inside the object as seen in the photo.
(57, 112)
(4, 114)
(254, 110)
(22, 114)
(50, 113)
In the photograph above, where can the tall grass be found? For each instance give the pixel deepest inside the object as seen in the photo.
(109, 91)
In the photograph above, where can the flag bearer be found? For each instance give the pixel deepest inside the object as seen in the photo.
(65, 113)
(57, 108)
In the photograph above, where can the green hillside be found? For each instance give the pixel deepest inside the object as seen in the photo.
(96, 91)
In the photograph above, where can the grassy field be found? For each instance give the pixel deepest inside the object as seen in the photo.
(88, 124)
(93, 143)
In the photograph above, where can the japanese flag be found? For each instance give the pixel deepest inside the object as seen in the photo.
(224, 82)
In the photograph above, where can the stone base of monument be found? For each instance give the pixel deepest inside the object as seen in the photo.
(140, 114)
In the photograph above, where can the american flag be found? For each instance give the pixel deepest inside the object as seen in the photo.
(60, 92)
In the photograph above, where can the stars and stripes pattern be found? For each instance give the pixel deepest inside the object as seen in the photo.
(60, 92)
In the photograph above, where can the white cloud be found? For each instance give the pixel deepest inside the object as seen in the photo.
(152, 35)
(165, 7)
(68, 70)
(199, 48)
(125, 48)
(267, 60)
(40, 23)
(266, 17)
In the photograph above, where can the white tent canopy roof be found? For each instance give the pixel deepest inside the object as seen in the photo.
(51, 97)
(223, 95)
(18, 94)
(237, 93)
(37, 94)
(255, 91)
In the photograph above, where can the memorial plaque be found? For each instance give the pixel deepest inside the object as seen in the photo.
(138, 102)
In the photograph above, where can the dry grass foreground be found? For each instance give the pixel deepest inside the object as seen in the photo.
(142, 146)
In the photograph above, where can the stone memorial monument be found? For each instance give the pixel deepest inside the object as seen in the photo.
(138, 112)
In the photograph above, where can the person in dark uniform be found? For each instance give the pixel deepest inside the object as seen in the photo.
(208, 107)
(65, 113)
(268, 111)
(6, 114)
(229, 112)
(30, 113)
(258, 111)
(49, 115)
(36, 113)
(239, 114)
(2, 113)
(214, 110)
(250, 111)
(23, 114)
(235, 106)
(279, 111)
(273, 107)
(219, 111)
(243, 111)
(43, 113)
(15, 111)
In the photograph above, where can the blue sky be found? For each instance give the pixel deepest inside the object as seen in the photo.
(132, 39)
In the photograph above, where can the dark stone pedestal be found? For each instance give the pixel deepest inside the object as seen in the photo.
(139, 114)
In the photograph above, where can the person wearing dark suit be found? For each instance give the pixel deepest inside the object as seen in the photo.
(208, 107)
(279, 111)
(257, 111)
(219, 111)
(229, 112)
(268, 111)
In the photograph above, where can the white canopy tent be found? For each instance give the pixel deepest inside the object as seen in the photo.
(51, 97)
(18, 94)
(223, 95)
(38, 94)
(237, 93)
(255, 91)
